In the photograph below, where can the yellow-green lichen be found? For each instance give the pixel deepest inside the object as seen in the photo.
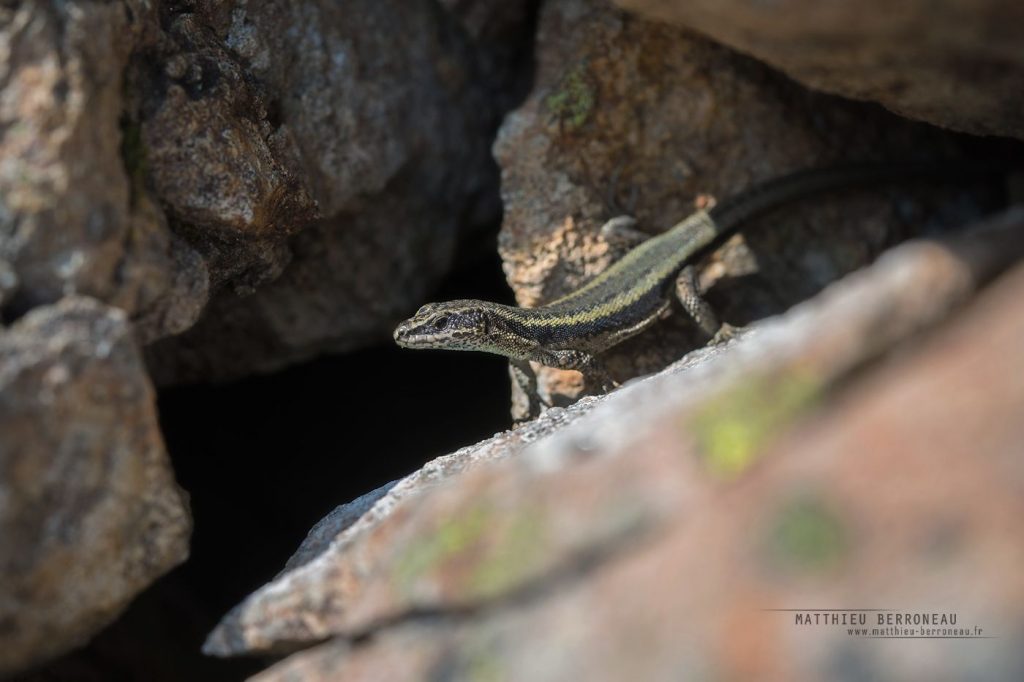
(451, 539)
(573, 99)
(734, 426)
(493, 552)
(510, 558)
(479, 660)
(808, 535)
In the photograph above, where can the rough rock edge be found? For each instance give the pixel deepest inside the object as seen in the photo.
(318, 550)
(963, 498)
(69, 342)
(850, 323)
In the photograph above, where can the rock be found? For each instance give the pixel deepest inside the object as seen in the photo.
(489, 19)
(180, 304)
(157, 155)
(633, 116)
(8, 282)
(67, 220)
(349, 279)
(896, 496)
(954, 63)
(501, 29)
(89, 510)
(255, 625)
(599, 508)
(392, 140)
(322, 534)
(202, 137)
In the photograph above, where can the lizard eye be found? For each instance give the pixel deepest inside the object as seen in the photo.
(441, 322)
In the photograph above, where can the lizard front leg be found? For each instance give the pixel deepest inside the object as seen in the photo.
(526, 404)
(593, 370)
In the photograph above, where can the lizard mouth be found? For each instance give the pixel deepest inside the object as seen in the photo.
(402, 334)
(407, 337)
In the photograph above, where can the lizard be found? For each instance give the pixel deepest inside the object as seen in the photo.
(634, 292)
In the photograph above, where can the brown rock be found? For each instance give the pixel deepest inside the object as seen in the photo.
(67, 222)
(488, 19)
(325, 571)
(954, 63)
(8, 282)
(206, 147)
(392, 138)
(903, 495)
(596, 511)
(89, 510)
(499, 28)
(633, 116)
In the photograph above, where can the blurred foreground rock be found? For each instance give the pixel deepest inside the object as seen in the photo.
(841, 456)
(954, 63)
(633, 116)
(89, 510)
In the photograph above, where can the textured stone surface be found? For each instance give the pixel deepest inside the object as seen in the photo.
(158, 154)
(8, 282)
(954, 63)
(392, 138)
(68, 223)
(89, 510)
(904, 494)
(634, 116)
(301, 588)
(201, 135)
(499, 536)
(155, 156)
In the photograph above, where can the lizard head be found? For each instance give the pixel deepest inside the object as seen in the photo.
(453, 325)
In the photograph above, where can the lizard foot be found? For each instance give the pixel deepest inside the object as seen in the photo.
(724, 334)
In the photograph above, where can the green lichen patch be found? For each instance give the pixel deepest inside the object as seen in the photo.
(733, 427)
(479, 659)
(449, 541)
(482, 552)
(807, 534)
(573, 99)
(510, 558)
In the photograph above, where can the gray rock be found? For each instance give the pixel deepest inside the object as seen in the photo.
(235, 127)
(895, 490)
(75, 214)
(954, 63)
(65, 210)
(220, 167)
(392, 138)
(89, 510)
(529, 518)
(8, 282)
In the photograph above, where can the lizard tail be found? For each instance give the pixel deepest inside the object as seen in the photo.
(733, 212)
